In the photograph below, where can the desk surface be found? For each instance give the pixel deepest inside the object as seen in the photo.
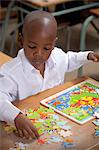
(4, 58)
(46, 3)
(95, 11)
(83, 135)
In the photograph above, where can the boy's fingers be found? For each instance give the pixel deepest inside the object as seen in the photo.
(97, 57)
(25, 129)
(31, 133)
(26, 134)
(20, 133)
(94, 58)
(34, 130)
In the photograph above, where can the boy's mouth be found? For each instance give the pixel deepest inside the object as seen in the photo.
(37, 62)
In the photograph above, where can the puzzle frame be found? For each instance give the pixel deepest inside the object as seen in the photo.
(48, 102)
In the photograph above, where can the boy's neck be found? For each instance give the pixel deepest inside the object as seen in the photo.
(42, 69)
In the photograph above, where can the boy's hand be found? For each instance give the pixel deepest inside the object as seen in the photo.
(24, 127)
(93, 56)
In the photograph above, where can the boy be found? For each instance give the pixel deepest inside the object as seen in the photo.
(38, 66)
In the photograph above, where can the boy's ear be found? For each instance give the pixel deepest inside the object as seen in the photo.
(56, 38)
(20, 40)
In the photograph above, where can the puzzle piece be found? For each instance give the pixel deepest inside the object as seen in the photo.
(64, 133)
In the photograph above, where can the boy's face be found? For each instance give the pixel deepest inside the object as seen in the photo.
(38, 43)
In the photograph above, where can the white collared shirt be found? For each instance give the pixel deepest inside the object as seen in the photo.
(19, 79)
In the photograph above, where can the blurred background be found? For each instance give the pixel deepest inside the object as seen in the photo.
(70, 15)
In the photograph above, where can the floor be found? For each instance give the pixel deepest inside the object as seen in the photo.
(92, 43)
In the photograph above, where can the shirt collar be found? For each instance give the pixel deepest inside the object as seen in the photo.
(28, 67)
(51, 62)
(26, 64)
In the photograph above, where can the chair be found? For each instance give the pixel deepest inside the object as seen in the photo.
(94, 14)
(13, 5)
(20, 9)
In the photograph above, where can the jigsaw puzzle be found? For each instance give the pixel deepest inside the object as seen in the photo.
(78, 102)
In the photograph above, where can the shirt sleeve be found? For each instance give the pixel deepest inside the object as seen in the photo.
(76, 60)
(8, 111)
(8, 93)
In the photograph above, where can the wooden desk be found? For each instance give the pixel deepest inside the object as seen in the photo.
(46, 3)
(83, 135)
(4, 58)
(95, 11)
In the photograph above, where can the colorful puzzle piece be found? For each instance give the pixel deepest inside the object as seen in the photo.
(45, 120)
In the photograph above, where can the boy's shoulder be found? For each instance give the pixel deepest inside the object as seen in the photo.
(11, 65)
(58, 52)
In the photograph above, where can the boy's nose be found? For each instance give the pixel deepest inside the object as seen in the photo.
(39, 51)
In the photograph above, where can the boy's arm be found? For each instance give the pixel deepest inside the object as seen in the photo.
(11, 114)
(78, 59)
(7, 111)
(8, 92)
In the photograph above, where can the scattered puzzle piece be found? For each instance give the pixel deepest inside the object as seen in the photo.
(64, 133)
(96, 114)
(46, 121)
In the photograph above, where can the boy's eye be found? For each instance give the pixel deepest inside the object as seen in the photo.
(47, 49)
(32, 47)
